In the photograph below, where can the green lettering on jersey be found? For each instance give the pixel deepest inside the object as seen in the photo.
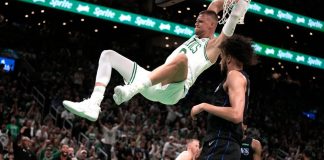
(183, 50)
(193, 45)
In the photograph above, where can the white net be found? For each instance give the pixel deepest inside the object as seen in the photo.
(227, 9)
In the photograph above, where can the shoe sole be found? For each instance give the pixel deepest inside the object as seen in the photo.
(117, 95)
(80, 114)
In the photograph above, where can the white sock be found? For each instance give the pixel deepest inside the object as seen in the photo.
(144, 83)
(147, 82)
(98, 92)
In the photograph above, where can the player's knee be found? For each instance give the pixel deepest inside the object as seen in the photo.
(105, 54)
(181, 60)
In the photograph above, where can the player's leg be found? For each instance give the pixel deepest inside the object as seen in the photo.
(175, 70)
(109, 59)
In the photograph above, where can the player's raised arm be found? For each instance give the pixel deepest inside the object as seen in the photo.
(216, 6)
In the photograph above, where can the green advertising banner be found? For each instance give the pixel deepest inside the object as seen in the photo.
(145, 22)
(116, 16)
(285, 16)
(279, 53)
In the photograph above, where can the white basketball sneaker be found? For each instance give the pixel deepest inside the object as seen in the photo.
(88, 108)
(125, 93)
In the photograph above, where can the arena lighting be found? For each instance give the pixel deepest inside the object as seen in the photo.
(145, 22)
(282, 15)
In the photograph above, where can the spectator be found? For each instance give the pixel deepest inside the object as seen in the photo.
(155, 152)
(13, 128)
(170, 148)
(71, 153)
(110, 133)
(80, 127)
(41, 133)
(26, 130)
(66, 115)
(63, 154)
(82, 153)
(22, 148)
(48, 155)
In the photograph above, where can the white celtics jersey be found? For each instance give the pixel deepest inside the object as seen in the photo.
(195, 50)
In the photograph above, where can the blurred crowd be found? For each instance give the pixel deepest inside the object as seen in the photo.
(139, 129)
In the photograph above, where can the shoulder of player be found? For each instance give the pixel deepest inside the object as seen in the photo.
(235, 74)
(236, 77)
(256, 143)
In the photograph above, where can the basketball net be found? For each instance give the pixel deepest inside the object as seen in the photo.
(228, 5)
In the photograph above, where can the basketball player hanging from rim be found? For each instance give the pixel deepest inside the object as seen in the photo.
(171, 81)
